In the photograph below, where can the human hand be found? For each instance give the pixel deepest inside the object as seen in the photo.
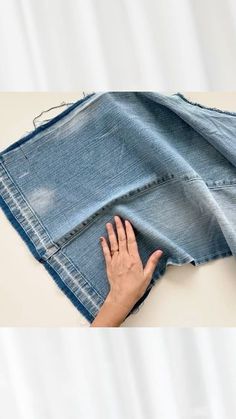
(127, 277)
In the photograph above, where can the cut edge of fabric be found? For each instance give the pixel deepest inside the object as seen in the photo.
(199, 105)
(214, 256)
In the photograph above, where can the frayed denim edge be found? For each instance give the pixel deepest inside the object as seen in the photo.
(213, 256)
(50, 270)
(199, 105)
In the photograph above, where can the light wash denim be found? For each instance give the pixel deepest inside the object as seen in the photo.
(163, 162)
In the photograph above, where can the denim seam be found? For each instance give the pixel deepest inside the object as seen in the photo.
(82, 275)
(215, 184)
(20, 209)
(33, 229)
(90, 300)
(153, 184)
(228, 185)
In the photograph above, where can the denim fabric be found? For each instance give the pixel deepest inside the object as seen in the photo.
(165, 163)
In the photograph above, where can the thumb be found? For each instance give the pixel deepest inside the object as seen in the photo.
(152, 263)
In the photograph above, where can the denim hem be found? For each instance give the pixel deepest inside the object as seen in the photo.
(213, 256)
(72, 297)
(69, 279)
(24, 214)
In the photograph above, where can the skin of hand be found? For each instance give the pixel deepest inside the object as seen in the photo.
(127, 277)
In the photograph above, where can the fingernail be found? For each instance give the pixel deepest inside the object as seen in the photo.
(101, 239)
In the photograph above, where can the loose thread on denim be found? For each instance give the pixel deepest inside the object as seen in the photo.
(50, 109)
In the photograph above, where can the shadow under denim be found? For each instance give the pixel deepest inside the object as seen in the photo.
(163, 162)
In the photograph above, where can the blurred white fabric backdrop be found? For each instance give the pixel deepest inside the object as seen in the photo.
(117, 44)
(114, 374)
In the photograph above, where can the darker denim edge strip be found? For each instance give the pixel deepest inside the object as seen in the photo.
(49, 269)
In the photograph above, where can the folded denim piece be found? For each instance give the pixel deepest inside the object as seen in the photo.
(163, 162)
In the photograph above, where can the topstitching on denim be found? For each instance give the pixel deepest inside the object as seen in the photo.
(150, 185)
(44, 245)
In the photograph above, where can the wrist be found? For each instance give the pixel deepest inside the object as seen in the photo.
(112, 314)
(122, 304)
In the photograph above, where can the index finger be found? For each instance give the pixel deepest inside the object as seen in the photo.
(131, 239)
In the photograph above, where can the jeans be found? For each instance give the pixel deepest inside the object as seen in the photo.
(166, 164)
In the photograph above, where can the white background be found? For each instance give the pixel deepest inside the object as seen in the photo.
(117, 45)
(118, 374)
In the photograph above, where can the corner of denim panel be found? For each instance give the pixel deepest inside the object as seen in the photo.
(66, 290)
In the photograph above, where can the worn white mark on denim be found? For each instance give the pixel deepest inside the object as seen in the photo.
(42, 199)
(23, 175)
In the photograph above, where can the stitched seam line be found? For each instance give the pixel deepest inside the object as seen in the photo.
(91, 300)
(21, 211)
(228, 185)
(160, 181)
(32, 228)
(82, 276)
(149, 186)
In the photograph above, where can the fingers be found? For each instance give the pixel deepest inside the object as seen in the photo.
(112, 237)
(121, 234)
(131, 239)
(106, 250)
(124, 238)
(152, 263)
